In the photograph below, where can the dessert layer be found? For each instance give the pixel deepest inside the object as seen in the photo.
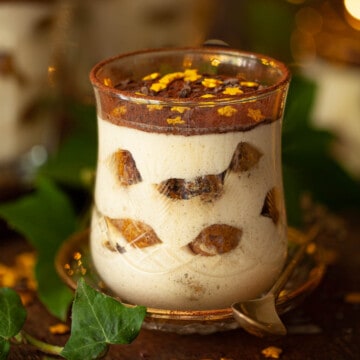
(192, 217)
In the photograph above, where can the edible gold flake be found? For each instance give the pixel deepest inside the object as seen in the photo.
(272, 352)
(255, 114)
(154, 107)
(174, 121)
(232, 91)
(119, 110)
(207, 104)
(211, 82)
(59, 329)
(215, 62)
(77, 256)
(157, 87)
(22, 271)
(227, 111)
(207, 96)
(268, 62)
(8, 277)
(108, 82)
(187, 62)
(152, 76)
(180, 109)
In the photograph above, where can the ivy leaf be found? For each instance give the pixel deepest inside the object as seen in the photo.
(4, 348)
(12, 318)
(45, 218)
(97, 321)
(12, 313)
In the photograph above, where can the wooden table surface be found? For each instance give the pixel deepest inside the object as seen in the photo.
(326, 326)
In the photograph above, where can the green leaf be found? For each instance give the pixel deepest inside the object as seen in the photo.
(97, 321)
(75, 161)
(46, 219)
(4, 348)
(12, 318)
(12, 313)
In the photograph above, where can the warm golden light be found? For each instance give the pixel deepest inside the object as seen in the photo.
(353, 8)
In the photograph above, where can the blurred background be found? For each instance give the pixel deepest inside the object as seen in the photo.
(48, 122)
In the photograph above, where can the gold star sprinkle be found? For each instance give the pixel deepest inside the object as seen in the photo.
(249, 84)
(169, 78)
(174, 121)
(118, 111)
(180, 109)
(152, 76)
(232, 91)
(207, 96)
(227, 111)
(157, 87)
(108, 82)
(255, 114)
(191, 75)
(154, 107)
(211, 82)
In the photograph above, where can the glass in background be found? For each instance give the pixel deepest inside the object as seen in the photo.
(28, 129)
(99, 29)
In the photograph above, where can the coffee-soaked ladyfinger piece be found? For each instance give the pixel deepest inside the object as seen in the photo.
(216, 239)
(270, 207)
(136, 233)
(245, 157)
(125, 168)
(208, 187)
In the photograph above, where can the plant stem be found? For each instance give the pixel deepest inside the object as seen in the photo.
(24, 337)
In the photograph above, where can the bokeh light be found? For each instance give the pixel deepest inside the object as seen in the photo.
(353, 8)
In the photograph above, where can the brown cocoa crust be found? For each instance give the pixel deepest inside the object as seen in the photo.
(198, 120)
(128, 107)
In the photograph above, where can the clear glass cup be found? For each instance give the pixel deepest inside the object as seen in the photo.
(189, 207)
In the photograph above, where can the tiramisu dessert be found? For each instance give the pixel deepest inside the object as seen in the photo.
(189, 209)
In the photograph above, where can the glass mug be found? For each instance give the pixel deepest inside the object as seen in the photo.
(189, 207)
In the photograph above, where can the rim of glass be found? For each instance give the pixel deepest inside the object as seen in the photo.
(283, 81)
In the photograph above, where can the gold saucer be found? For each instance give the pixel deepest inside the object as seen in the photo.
(73, 261)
